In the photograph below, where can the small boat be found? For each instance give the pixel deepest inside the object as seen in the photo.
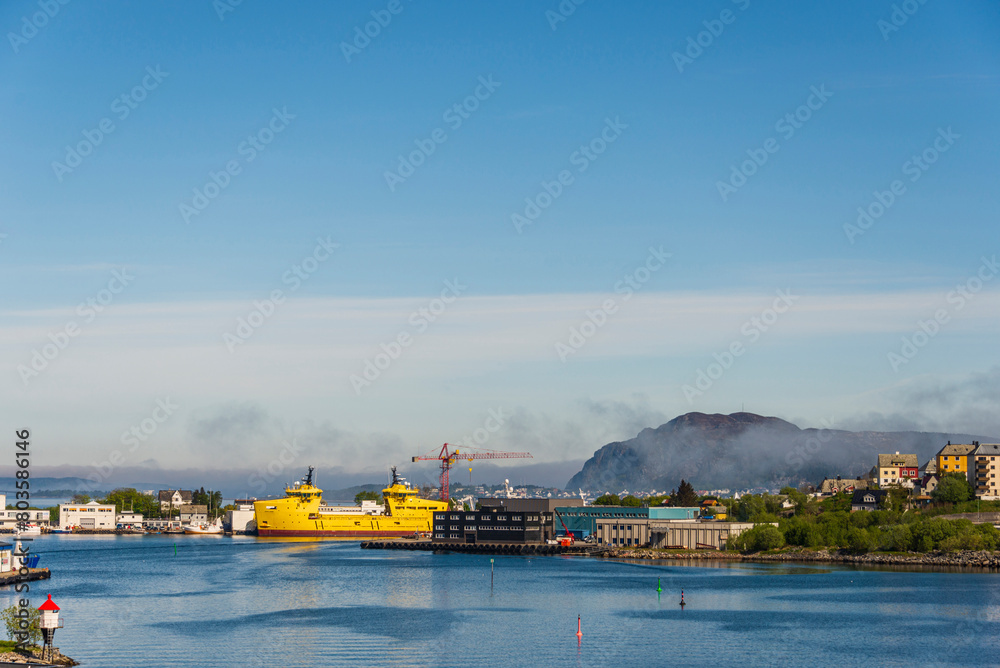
(60, 531)
(29, 530)
(204, 529)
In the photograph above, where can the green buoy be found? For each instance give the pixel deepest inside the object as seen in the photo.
(658, 587)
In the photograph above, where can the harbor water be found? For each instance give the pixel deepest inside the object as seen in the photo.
(220, 601)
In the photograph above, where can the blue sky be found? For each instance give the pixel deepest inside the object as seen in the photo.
(345, 124)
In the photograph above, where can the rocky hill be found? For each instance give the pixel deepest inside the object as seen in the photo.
(744, 450)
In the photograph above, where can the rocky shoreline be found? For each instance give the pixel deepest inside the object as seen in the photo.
(58, 658)
(967, 559)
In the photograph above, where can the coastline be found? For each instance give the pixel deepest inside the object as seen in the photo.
(982, 559)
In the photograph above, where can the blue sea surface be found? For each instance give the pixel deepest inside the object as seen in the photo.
(243, 601)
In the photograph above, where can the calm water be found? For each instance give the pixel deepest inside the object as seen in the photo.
(129, 601)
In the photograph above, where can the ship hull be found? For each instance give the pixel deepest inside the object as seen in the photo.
(331, 533)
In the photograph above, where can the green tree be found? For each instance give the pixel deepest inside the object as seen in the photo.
(129, 498)
(631, 502)
(686, 496)
(758, 539)
(13, 624)
(953, 488)
(372, 496)
(80, 499)
(606, 500)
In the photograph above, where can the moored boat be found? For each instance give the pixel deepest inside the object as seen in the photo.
(204, 529)
(302, 513)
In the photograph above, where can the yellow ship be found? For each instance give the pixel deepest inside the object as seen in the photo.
(302, 513)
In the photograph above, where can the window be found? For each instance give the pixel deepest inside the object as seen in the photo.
(438, 527)
(455, 517)
(502, 518)
(516, 518)
(453, 527)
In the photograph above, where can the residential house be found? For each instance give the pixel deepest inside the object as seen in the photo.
(193, 514)
(929, 483)
(838, 484)
(867, 499)
(171, 499)
(954, 458)
(896, 470)
(983, 473)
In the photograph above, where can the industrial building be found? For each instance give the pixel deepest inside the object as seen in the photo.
(530, 505)
(241, 520)
(523, 522)
(91, 515)
(582, 520)
(667, 534)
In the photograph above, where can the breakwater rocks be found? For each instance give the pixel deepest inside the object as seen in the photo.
(966, 559)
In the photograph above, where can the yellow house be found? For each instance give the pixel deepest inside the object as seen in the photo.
(954, 458)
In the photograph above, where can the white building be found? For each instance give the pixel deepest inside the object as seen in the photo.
(8, 518)
(241, 520)
(129, 520)
(92, 515)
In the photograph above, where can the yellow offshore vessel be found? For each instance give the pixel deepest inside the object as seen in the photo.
(302, 513)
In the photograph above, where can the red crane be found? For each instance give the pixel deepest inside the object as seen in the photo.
(448, 458)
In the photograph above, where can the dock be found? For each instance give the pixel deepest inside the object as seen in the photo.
(13, 577)
(527, 549)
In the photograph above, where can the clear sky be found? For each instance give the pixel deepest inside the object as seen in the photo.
(667, 168)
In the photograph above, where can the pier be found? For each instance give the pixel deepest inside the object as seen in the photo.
(527, 549)
(13, 577)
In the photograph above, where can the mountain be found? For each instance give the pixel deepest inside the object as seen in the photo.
(744, 450)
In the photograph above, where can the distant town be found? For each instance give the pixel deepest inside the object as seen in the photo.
(680, 518)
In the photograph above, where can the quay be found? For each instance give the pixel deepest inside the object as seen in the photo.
(13, 577)
(483, 548)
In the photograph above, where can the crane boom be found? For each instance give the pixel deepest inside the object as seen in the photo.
(448, 458)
